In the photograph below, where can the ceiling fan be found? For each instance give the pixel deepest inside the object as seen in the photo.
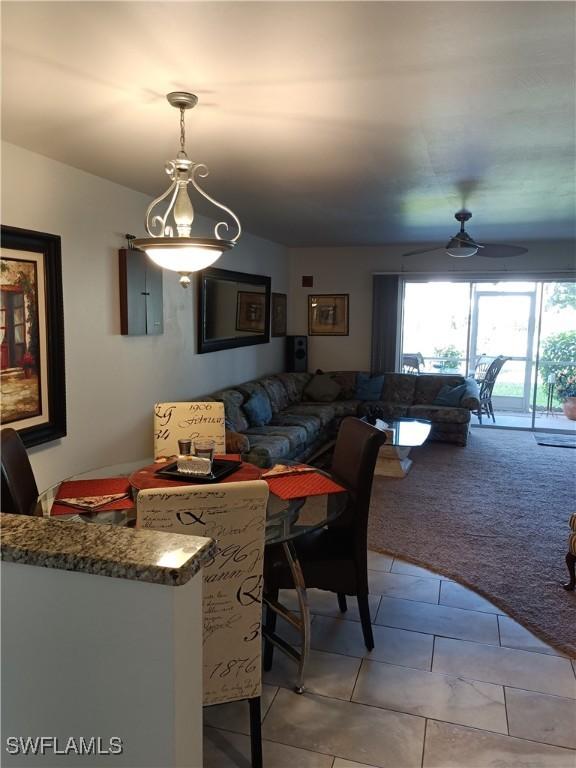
(462, 245)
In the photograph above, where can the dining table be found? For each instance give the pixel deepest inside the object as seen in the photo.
(286, 520)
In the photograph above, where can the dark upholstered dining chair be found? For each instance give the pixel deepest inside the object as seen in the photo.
(19, 489)
(335, 557)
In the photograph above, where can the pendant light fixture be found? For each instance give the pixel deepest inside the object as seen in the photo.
(170, 244)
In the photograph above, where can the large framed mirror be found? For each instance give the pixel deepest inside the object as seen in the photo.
(234, 310)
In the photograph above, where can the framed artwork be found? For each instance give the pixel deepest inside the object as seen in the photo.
(279, 301)
(328, 314)
(32, 335)
(251, 311)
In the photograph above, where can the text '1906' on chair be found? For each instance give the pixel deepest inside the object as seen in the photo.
(187, 420)
(486, 374)
(334, 558)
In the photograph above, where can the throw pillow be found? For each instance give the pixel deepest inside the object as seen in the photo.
(450, 396)
(322, 389)
(369, 387)
(258, 410)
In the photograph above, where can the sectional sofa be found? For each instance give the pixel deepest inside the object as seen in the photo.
(273, 418)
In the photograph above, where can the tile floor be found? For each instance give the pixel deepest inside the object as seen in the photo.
(451, 683)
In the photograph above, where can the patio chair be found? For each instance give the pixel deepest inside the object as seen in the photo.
(486, 374)
(411, 363)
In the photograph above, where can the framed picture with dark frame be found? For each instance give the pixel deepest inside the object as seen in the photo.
(279, 303)
(328, 314)
(250, 311)
(32, 335)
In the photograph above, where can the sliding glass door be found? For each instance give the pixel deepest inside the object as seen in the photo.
(453, 326)
(503, 317)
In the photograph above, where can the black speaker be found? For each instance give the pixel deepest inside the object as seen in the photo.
(297, 354)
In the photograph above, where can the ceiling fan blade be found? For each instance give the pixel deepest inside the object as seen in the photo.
(423, 250)
(500, 251)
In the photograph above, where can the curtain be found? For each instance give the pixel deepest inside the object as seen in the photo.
(385, 300)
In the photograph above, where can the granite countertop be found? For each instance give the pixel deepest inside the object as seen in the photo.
(103, 550)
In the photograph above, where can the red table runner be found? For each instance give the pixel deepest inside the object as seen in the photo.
(102, 486)
(302, 484)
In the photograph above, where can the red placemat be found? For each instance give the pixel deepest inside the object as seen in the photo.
(145, 477)
(102, 486)
(303, 484)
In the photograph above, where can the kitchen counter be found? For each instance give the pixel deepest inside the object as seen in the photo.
(102, 636)
(103, 550)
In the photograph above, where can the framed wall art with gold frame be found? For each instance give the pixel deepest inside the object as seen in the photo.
(328, 314)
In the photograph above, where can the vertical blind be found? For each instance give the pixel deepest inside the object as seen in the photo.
(385, 300)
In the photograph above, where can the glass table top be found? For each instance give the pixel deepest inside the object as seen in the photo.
(285, 519)
(404, 432)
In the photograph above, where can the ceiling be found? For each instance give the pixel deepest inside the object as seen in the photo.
(322, 123)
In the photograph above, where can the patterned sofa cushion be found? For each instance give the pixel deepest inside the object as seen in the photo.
(429, 385)
(296, 435)
(345, 407)
(276, 392)
(382, 410)
(235, 418)
(440, 413)
(399, 388)
(347, 382)
(324, 412)
(266, 450)
(307, 421)
(471, 398)
(294, 384)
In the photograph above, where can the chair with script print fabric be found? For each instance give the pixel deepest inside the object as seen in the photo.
(19, 490)
(234, 514)
(176, 421)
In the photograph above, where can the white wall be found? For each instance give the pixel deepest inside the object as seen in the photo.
(112, 381)
(350, 270)
(102, 656)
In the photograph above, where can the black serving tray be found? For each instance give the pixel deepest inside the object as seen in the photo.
(221, 468)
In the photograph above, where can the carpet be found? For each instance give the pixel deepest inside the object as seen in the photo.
(555, 441)
(492, 516)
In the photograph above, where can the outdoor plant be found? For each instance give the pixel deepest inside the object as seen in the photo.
(559, 361)
(565, 385)
(450, 357)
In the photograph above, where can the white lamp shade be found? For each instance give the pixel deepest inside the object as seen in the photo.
(191, 259)
(184, 255)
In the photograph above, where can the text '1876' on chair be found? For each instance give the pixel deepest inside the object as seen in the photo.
(334, 558)
(19, 490)
(234, 515)
(486, 374)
